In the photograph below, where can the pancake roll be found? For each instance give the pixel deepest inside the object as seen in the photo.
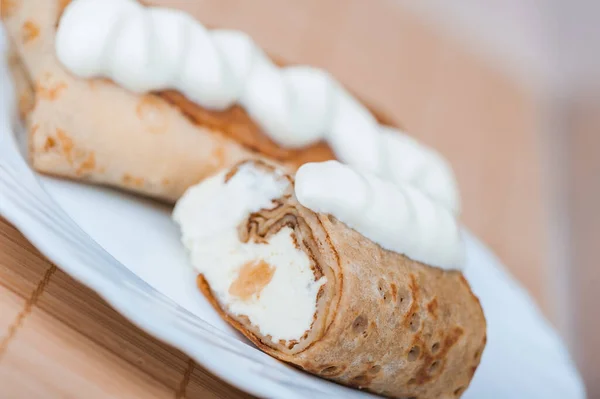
(309, 290)
(143, 97)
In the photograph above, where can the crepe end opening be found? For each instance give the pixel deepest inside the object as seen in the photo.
(261, 267)
(254, 276)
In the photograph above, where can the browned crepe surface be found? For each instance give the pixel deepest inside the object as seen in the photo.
(93, 130)
(385, 323)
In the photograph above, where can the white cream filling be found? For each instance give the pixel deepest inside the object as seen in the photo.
(209, 214)
(400, 218)
(151, 48)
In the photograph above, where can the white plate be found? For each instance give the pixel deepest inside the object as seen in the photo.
(127, 250)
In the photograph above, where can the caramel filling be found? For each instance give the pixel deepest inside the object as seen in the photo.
(252, 279)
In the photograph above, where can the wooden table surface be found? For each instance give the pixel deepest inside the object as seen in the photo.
(58, 339)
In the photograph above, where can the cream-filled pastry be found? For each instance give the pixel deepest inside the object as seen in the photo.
(147, 99)
(312, 271)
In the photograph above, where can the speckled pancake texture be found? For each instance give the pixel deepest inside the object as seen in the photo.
(384, 323)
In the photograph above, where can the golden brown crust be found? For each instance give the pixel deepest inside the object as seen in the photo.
(385, 323)
(235, 123)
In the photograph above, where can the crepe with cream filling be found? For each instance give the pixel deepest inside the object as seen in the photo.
(156, 144)
(309, 290)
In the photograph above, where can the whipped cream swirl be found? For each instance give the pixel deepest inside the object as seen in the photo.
(147, 49)
(399, 218)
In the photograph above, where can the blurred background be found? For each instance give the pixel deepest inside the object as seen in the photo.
(508, 91)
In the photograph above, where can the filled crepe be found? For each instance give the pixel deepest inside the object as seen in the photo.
(309, 290)
(147, 99)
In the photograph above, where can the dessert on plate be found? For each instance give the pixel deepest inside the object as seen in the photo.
(319, 230)
(147, 99)
(339, 273)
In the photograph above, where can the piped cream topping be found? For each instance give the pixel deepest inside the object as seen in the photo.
(148, 49)
(271, 283)
(400, 218)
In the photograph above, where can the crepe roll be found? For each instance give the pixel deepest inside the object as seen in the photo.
(143, 97)
(389, 315)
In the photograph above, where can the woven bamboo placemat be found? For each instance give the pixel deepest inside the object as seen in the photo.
(59, 339)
